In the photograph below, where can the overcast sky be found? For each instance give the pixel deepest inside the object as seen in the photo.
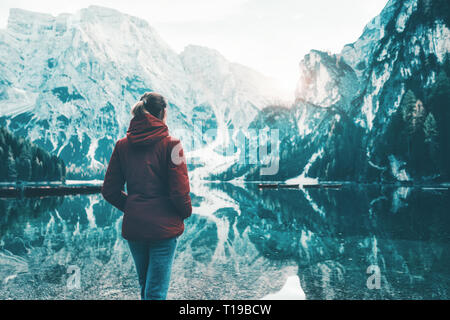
(271, 36)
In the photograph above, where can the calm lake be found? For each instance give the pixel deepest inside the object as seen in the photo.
(240, 243)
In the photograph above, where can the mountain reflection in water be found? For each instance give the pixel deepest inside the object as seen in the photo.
(240, 243)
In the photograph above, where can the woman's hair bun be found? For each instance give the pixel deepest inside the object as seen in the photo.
(150, 102)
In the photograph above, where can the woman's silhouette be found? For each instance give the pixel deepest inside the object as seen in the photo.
(157, 199)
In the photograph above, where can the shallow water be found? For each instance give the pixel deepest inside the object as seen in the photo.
(240, 243)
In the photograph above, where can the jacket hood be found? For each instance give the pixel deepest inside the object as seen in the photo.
(146, 130)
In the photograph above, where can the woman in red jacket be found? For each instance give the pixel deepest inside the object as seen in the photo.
(152, 165)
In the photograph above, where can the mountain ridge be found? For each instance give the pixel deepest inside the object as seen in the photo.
(68, 83)
(351, 119)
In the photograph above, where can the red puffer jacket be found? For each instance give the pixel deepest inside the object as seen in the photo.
(158, 189)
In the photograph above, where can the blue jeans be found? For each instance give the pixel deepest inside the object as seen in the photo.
(153, 260)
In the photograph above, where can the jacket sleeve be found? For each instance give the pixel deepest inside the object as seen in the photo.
(179, 180)
(113, 184)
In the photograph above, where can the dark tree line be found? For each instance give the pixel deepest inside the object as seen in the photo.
(21, 160)
(419, 131)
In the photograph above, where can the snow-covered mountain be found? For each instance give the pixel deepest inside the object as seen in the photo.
(68, 82)
(375, 111)
(353, 118)
(403, 49)
(227, 85)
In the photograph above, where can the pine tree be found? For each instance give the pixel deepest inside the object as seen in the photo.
(24, 166)
(22, 160)
(418, 117)
(407, 104)
(427, 5)
(11, 168)
(430, 129)
(440, 93)
(413, 112)
(3, 167)
(407, 108)
(439, 101)
(431, 141)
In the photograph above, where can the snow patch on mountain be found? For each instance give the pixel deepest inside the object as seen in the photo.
(438, 41)
(370, 106)
(291, 290)
(302, 178)
(397, 169)
(408, 8)
(315, 84)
